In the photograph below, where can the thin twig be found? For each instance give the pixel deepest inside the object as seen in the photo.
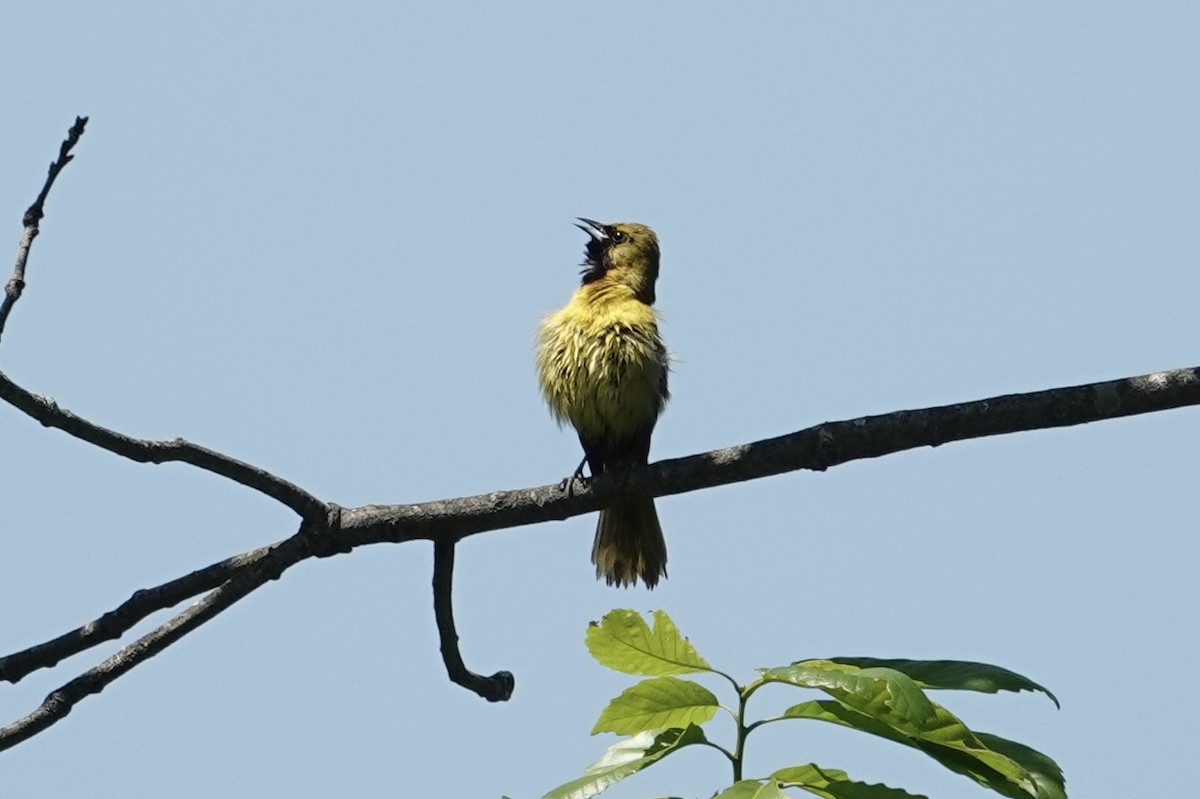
(49, 414)
(498, 687)
(47, 411)
(32, 220)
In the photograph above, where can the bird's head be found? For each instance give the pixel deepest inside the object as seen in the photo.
(623, 252)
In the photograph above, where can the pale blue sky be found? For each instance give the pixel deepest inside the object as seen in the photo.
(320, 240)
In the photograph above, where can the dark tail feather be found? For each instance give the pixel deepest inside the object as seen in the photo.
(629, 544)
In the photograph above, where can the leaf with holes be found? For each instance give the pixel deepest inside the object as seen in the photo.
(623, 641)
(753, 789)
(829, 783)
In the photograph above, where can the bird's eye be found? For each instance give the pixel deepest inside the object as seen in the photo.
(618, 236)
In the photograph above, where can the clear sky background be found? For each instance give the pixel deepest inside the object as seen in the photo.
(320, 239)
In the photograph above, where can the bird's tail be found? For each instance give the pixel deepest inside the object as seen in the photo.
(629, 544)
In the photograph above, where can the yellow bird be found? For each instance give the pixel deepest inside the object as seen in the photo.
(603, 368)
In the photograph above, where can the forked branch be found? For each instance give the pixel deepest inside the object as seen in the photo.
(327, 529)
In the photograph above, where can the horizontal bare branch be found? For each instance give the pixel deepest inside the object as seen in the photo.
(815, 448)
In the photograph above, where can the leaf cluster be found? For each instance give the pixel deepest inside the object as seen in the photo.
(885, 698)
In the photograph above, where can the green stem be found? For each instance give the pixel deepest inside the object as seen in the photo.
(720, 749)
(742, 731)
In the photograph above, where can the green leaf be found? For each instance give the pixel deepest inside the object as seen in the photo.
(960, 675)
(623, 641)
(753, 789)
(946, 739)
(627, 757)
(1046, 774)
(831, 783)
(885, 694)
(657, 703)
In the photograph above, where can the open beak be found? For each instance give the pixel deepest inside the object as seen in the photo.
(593, 229)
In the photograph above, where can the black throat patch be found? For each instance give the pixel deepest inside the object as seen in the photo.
(595, 260)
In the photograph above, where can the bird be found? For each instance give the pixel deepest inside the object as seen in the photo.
(602, 367)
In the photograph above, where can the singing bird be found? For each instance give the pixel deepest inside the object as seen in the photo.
(603, 368)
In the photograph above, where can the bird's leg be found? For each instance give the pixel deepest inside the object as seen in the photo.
(568, 482)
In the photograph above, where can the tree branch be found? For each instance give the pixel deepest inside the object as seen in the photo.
(47, 411)
(60, 702)
(327, 530)
(250, 576)
(498, 687)
(117, 622)
(32, 221)
(815, 448)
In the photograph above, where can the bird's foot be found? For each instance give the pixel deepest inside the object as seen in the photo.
(568, 483)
